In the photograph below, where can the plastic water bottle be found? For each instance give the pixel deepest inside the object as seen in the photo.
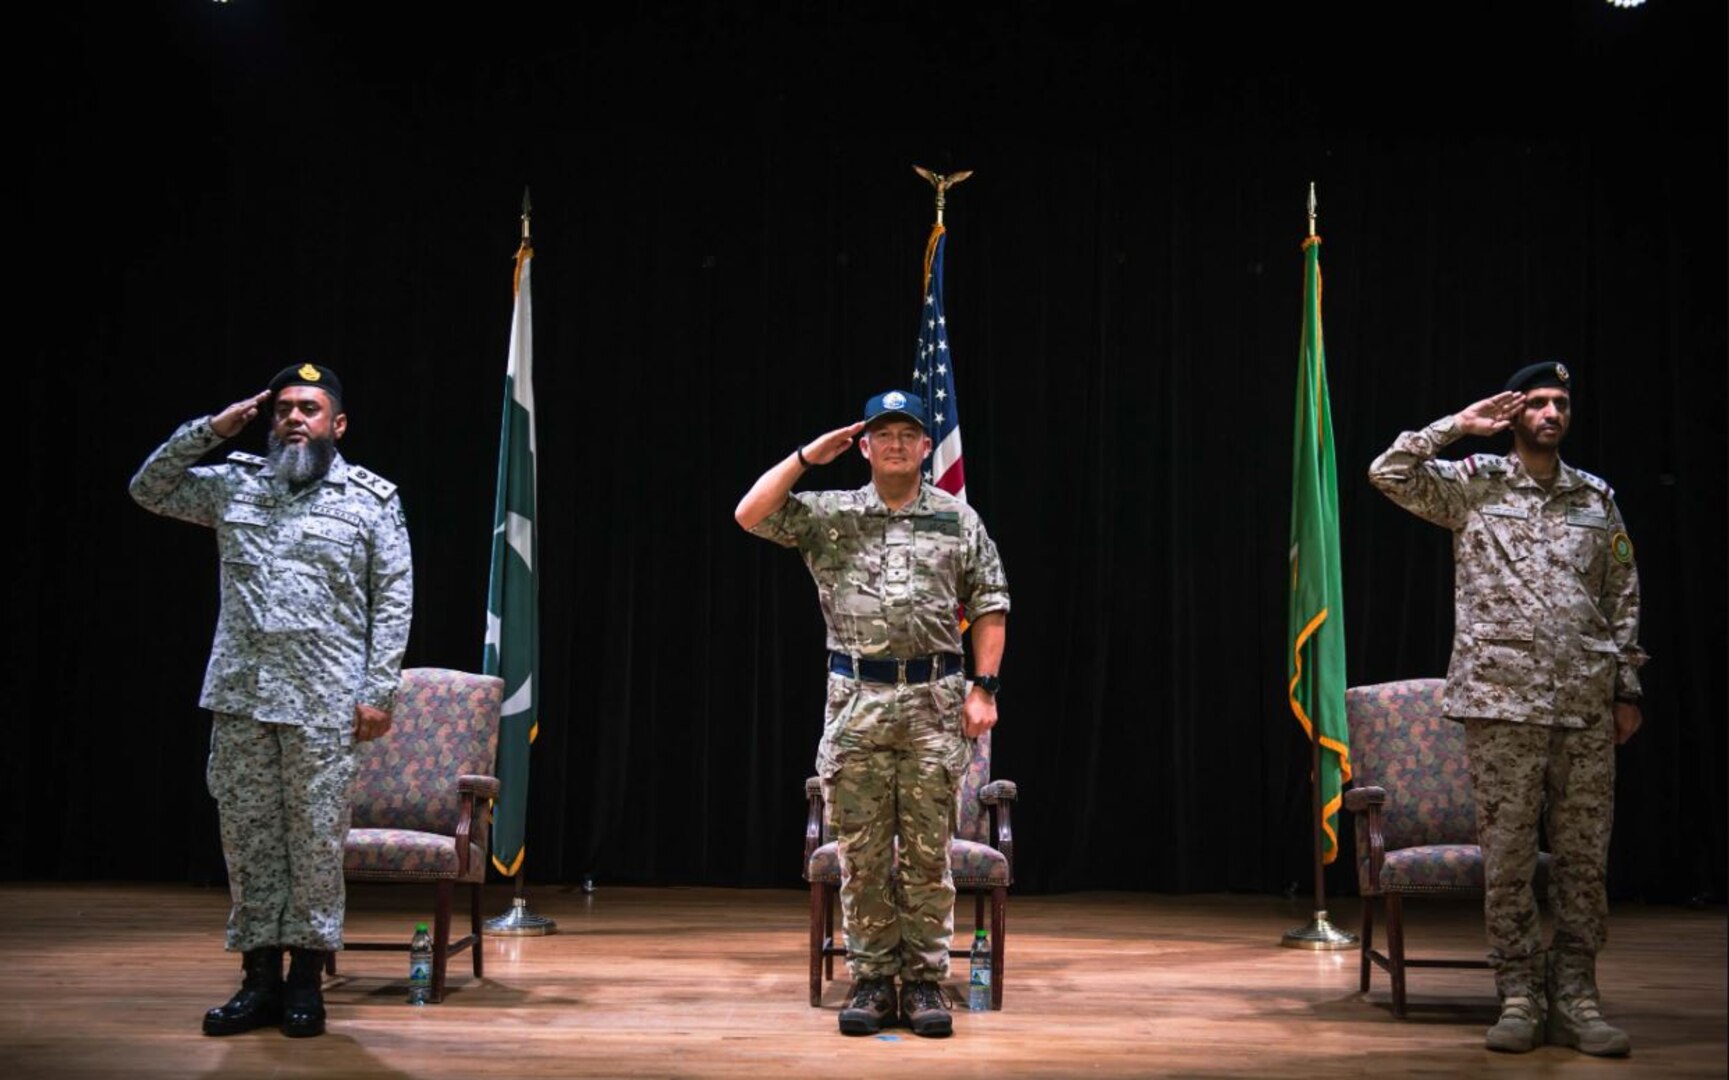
(420, 966)
(979, 977)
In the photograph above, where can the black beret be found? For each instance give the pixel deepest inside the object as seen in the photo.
(1536, 376)
(315, 375)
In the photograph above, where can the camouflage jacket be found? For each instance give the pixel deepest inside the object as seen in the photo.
(1546, 606)
(317, 585)
(892, 582)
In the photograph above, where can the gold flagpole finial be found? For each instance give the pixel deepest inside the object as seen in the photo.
(942, 183)
(527, 212)
(1312, 205)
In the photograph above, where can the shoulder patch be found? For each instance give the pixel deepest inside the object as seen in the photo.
(1596, 483)
(252, 460)
(372, 482)
(1488, 464)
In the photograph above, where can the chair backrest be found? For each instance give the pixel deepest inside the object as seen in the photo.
(1400, 741)
(971, 820)
(444, 725)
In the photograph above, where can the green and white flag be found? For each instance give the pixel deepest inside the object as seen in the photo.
(512, 599)
(1316, 663)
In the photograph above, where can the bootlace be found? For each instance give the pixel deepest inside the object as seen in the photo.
(868, 993)
(1585, 1009)
(1518, 1008)
(927, 995)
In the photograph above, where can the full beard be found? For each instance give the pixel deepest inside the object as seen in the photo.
(301, 463)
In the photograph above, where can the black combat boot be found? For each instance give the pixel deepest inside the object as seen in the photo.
(303, 998)
(258, 1002)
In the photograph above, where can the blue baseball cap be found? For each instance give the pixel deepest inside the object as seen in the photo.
(896, 403)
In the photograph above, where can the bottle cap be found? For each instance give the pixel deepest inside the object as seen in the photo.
(420, 928)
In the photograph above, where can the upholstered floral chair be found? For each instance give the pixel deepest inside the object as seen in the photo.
(1416, 819)
(981, 858)
(421, 802)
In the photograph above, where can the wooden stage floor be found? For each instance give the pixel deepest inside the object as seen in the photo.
(110, 981)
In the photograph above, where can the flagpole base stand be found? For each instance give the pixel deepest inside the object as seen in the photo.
(520, 922)
(1319, 936)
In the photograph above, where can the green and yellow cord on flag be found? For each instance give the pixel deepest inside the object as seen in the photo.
(1316, 667)
(512, 600)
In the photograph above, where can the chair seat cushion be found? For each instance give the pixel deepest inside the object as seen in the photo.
(406, 855)
(1438, 869)
(972, 864)
(1433, 868)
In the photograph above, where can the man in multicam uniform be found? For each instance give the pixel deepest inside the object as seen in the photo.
(317, 590)
(1545, 677)
(894, 562)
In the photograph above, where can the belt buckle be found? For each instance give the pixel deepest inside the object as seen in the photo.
(900, 671)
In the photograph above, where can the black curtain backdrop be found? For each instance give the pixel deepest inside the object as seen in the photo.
(728, 242)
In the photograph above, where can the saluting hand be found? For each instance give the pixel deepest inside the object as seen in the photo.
(826, 448)
(1492, 415)
(229, 422)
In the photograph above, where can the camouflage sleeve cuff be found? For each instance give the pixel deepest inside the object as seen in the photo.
(1441, 432)
(987, 602)
(379, 699)
(780, 526)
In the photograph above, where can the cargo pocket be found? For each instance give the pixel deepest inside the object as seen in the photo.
(843, 696)
(1504, 655)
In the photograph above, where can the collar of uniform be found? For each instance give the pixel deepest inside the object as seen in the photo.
(1566, 477)
(873, 501)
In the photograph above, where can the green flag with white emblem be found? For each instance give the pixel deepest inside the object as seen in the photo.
(512, 600)
(1315, 665)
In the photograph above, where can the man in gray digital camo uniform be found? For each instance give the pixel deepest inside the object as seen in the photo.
(894, 561)
(317, 590)
(1545, 677)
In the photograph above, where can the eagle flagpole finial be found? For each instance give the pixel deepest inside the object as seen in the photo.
(942, 183)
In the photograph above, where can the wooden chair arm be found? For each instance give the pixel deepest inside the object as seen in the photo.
(1359, 799)
(1367, 801)
(484, 786)
(470, 789)
(1003, 830)
(813, 817)
(998, 791)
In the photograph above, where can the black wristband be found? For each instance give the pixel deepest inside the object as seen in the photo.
(798, 452)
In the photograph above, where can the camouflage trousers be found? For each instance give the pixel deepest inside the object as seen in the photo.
(890, 761)
(1566, 775)
(282, 794)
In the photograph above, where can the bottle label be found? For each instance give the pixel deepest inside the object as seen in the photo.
(420, 971)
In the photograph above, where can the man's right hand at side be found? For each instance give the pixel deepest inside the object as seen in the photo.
(230, 421)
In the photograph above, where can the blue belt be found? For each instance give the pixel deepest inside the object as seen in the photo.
(918, 669)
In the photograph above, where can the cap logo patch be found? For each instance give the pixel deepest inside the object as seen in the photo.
(1561, 373)
(894, 399)
(309, 373)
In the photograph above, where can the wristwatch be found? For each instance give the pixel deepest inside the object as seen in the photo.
(990, 684)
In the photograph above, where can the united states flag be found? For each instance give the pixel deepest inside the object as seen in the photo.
(934, 378)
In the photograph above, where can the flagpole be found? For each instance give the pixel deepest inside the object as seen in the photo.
(520, 920)
(1319, 935)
